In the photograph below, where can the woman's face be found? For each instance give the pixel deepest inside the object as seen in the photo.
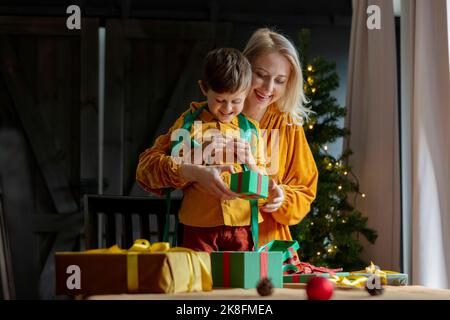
(270, 76)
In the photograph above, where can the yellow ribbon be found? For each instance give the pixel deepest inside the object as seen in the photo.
(142, 245)
(357, 280)
(349, 281)
(373, 269)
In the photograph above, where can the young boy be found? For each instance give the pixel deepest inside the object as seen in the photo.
(210, 224)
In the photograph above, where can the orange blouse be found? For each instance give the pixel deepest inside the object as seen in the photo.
(294, 170)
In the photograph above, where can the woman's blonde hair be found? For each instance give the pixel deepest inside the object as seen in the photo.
(264, 41)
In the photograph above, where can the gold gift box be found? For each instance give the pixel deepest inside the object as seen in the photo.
(115, 271)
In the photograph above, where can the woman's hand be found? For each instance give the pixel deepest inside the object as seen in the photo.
(208, 179)
(275, 199)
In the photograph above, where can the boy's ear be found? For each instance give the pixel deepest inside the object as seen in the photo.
(202, 88)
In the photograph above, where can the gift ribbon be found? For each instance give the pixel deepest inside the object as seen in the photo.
(258, 190)
(295, 278)
(142, 245)
(373, 269)
(187, 125)
(357, 280)
(226, 272)
(263, 265)
(226, 269)
(349, 281)
(239, 183)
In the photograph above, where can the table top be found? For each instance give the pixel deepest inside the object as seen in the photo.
(291, 291)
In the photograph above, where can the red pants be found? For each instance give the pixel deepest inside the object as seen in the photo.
(221, 238)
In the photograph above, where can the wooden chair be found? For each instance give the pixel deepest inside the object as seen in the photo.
(120, 217)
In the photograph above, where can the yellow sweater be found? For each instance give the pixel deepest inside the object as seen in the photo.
(157, 170)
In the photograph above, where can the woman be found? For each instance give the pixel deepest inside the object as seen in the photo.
(276, 100)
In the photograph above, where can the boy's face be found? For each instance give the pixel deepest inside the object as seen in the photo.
(224, 106)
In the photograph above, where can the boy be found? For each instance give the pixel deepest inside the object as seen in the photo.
(210, 224)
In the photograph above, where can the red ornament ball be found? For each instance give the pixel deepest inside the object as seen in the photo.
(319, 288)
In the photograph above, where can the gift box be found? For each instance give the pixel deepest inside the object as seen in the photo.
(394, 279)
(244, 269)
(304, 278)
(250, 184)
(115, 271)
(390, 278)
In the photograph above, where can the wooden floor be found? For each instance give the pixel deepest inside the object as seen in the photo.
(291, 292)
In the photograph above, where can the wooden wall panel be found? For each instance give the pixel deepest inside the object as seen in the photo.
(152, 69)
(43, 93)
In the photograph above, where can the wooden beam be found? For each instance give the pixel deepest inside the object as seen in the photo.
(89, 106)
(56, 222)
(42, 142)
(36, 25)
(186, 89)
(114, 108)
(7, 289)
(172, 30)
(17, 201)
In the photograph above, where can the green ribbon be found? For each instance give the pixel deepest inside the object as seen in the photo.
(246, 128)
(187, 125)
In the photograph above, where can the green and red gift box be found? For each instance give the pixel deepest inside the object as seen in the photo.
(244, 269)
(250, 184)
(304, 278)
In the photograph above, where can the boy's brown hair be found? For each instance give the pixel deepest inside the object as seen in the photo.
(226, 70)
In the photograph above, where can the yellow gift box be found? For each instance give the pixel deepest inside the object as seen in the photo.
(143, 268)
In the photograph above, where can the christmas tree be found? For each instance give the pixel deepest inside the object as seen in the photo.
(330, 234)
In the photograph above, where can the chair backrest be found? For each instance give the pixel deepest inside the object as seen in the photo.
(118, 218)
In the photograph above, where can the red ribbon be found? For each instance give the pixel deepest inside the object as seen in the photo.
(306, 268)
(263, 264)
(239, 186)
(292, 251)
(250, 196)
(226, 269)
(295, 278)
(259, 183)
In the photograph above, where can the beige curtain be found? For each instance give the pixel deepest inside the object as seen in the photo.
(373, 121)
(426, 105)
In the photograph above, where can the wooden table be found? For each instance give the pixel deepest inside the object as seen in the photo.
(291, 292)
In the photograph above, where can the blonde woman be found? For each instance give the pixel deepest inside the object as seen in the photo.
(275, 100)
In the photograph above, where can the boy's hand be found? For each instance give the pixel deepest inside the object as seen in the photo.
(243, 153)
(213, 152)
(275, 199)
